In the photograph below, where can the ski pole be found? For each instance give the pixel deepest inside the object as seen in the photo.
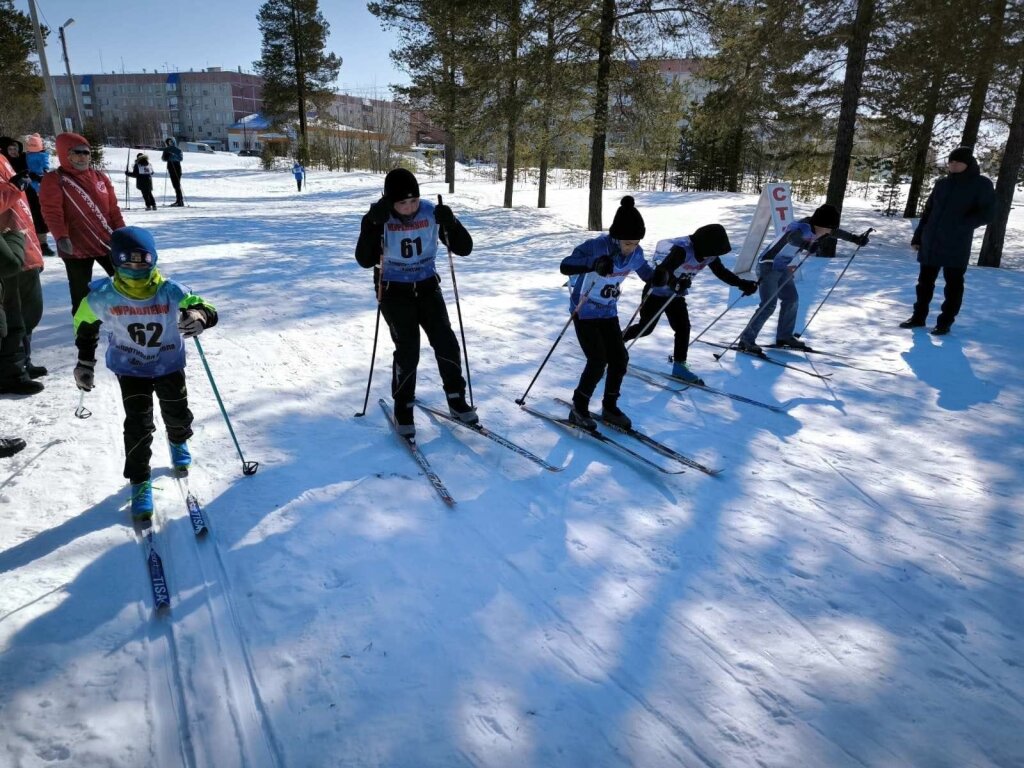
(164, 203)
(376, 330)
(848, 262)
(708, 328)
(653, 320)
(773, 297)
(458, 310)
(637, 310)
(81, 411)
(248, 467)
(583, 300)
(127, 199)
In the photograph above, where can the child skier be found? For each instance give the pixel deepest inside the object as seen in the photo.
(148, 317)
(599, 266)
(299, 173)
(776, 275)
(680, 259)
(142, 172)
(38, 161)
(398, 237)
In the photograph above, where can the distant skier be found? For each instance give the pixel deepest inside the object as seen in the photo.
(37, 158)
(142, 172)
(959, 203)
(598, 267)
(680, 259)
(173, 157)
(775, 273)
(398, 237)
(147, 318)
(299, 173)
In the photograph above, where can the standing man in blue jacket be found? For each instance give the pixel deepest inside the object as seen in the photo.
(959, 203)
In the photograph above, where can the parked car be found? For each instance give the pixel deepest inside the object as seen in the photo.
(195, 146)
(248, 153)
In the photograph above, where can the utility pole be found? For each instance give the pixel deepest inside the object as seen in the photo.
(71, 82)
(51, 97)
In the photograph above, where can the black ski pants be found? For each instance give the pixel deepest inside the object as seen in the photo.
(601, 342)
(174, 171)
(953, 294)
(137, 398)
(406, 309)
(678, 315)
(80, 275)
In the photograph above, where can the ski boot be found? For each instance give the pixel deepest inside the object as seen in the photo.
(181, 458)
(142, 501)
(460, 409)
(682, 371)
(912, 322)
(404, 424)
(791, 343)
(613, 415)
(579, 414)
(749, 347)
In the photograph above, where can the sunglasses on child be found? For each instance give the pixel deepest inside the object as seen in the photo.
(81, 151)
(138, 257)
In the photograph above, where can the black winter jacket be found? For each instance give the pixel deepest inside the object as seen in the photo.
(959, 204)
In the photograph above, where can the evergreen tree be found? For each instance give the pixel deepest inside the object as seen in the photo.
(20, 84)
(297, 70)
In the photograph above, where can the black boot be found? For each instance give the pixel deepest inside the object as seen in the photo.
(912, 322)
(579, 414)
(33, 371)
(10, 446)
(612, 414)
(460, 409)
(404, 424)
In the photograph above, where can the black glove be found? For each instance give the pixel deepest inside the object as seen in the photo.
(747, 287)
(661, 277)
(85, 374)
(682, 284)
(34, 176)
(20, 180)
(604, 265)
(862, 240)
(443, 215)
(380, 212)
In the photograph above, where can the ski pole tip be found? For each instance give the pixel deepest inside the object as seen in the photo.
(249, 468)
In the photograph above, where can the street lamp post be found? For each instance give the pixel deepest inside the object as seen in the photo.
(71, 81)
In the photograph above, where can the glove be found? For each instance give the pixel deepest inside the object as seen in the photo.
(682, 284)
(64, 246)
(604, 265)
(192, 323)
(85, 375)
(661, 276)
(20, 180)
(380, 212)
(443, 215)
(34, 176)
(862, 240)
(747, 287)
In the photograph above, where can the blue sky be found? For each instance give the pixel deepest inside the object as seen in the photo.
(109, 35)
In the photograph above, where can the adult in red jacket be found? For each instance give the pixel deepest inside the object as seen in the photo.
(80, 208)
(22, 294)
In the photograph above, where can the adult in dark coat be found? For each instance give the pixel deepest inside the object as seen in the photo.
(959, 203)
(172, 156)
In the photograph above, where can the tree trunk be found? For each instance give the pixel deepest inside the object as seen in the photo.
(545, 135)
(300, 85)
(856, 52)
(1009, 169)
(855, 55)
(924, 140)
(987, 52)
(600, 139)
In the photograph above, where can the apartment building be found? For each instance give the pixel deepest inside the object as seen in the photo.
(146, 107)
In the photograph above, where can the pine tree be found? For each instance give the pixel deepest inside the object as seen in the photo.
(297, 70)
(20, 85)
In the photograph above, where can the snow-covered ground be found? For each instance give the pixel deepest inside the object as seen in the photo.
(847, 593)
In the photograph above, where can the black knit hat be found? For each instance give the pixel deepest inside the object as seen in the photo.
(961, 155)
(628, 224)
(400, 184)
(826, 216)
(710, 240)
